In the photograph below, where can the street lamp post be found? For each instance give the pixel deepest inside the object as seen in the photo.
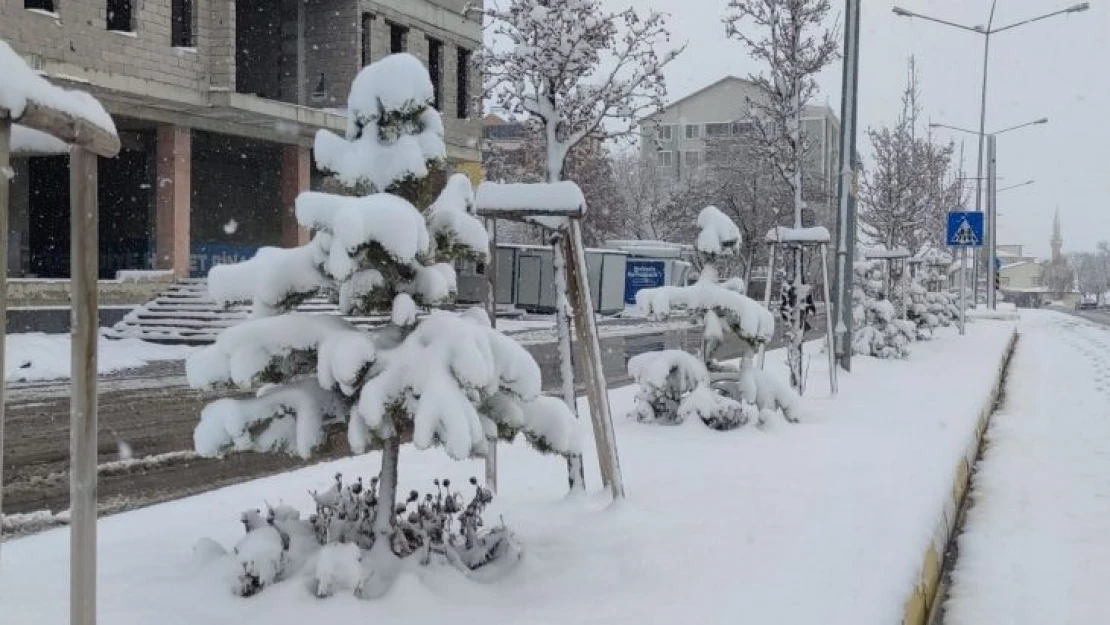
(992, 207)
(987, 31)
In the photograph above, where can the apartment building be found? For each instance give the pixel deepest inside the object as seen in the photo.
(217, 103)
(682, 137)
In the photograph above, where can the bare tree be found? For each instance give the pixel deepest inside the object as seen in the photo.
(646, 191)
(575, 71)
(792, 39)
(905, 195)
(1092, 271)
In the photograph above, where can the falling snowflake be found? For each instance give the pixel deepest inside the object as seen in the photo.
(231, 226)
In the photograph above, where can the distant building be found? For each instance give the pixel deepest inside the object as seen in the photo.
(681, 138)
(217, 103)
(1028, 281)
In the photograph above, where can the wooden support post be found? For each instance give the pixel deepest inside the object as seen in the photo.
(590, 346)
(767, 296)
(83, 446)
(829, 341)
(5, 170)
(576, 478)
(491, 310)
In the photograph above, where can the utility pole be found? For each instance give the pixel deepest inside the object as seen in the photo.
(992, 222)
(846, 192)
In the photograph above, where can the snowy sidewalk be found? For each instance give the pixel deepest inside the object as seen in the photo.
(824, 522)
(1036, 543)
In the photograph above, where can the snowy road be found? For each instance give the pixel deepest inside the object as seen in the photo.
(1035, 547)
(154, 412)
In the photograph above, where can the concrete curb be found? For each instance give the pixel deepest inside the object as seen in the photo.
(921, 602)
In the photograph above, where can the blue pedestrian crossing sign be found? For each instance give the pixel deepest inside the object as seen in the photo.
(965, 229)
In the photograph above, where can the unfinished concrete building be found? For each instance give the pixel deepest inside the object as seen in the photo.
(217, 103)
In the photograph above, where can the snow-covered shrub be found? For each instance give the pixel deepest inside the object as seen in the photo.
(675, 385)
(442, 378)
(877, 329)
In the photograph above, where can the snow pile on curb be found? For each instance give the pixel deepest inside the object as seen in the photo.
(36, 356)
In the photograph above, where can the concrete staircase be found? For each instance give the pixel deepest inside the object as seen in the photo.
(185, 314)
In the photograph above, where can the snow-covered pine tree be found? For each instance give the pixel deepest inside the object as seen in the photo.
(793, 40)
(443, 379)
(675, 385)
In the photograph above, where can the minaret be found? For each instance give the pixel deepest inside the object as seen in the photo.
(1057, 240)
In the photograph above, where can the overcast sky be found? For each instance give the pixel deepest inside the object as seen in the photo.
(1056, 68)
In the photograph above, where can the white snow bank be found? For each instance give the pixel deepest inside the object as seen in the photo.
(718, 234)
(818, 234)
(562, 199)
(882, 253)
(22, 85)
(30, 141)
(1035, 548)
(37, 356)
(823, 522)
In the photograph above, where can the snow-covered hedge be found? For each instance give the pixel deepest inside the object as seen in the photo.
(878, 329)
(442, 379)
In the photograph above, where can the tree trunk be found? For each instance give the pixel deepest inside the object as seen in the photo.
(575, 472)
(387, 489)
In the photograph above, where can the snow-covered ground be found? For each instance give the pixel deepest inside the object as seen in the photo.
(37, 356)
(822, 522)
(1036, 544)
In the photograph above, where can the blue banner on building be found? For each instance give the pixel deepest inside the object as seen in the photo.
(204, 256)
(642, 274)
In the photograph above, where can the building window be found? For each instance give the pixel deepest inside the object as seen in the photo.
(435, 69)
(742, 128)
(397, 38)
(718, 130)
(39, 5)
(462, 83)
(693, 131)
(692, 158)
(367, 25)
(119, 16)
(663, 132)
(181, 24)
(666, 158)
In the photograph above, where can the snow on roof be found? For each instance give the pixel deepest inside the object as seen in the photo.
(558, 199)
(878, 253)
(718, 232)
(798, 235)
(27, 141)
(22, 85)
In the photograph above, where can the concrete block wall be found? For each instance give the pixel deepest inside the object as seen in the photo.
(444, 20)
(333, 47)
(76, 36)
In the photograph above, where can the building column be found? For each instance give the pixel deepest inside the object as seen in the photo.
(295, 179)
(173, 199)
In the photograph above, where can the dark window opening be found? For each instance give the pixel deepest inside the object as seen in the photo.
(41, 5)
(397, 36)
(120, 17)
(435, 69)
(367, 23)
(462, 84)
(181, 24)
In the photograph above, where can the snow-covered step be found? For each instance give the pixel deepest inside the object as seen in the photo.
(185, 314)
